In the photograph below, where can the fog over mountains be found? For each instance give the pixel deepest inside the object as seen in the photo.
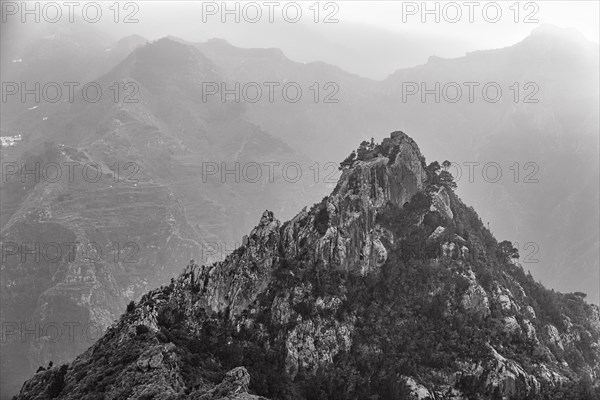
(184, 175)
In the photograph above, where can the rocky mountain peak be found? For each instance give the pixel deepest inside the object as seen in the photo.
(391, 171)
(167, 51)
(166, 63)
(550, 30)
(559, 43)
(388, 288)
(131, 42)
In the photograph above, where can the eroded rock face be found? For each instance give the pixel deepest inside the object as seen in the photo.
(234, 387)
(510, 378)
(418, 391)
(353, 240)
(234, 284)
(475, 299)
(441, 203)
(314, 343)
(552, 336)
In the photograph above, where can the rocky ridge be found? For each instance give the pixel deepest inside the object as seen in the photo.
(388, 288)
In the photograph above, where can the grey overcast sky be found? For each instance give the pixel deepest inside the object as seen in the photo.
(360, 40)
(370, 38)
(583, 15)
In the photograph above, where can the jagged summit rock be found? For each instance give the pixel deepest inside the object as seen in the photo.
(393, 170)
(389, 288)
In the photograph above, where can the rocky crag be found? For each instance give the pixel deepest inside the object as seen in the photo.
(389, 288)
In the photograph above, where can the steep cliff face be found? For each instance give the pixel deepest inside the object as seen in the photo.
(389, 288)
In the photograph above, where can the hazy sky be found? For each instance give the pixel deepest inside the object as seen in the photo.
(583, 15)
(397, 16)
(370, 38)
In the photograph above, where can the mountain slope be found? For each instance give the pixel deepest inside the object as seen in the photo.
(389, 288)
(153, 203)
